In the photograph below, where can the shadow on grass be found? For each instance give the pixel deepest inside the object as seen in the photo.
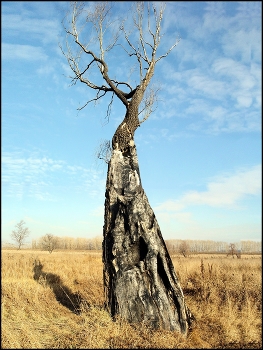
(63, 294)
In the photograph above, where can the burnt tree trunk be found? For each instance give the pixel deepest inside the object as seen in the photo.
(140, 282)
(139, 279)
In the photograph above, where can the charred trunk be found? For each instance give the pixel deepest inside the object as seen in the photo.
(139, 278)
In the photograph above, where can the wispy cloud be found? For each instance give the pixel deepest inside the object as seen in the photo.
(244, 43)
(225, 191)
(225, 98)
(42, 29)
(242, 81)
(23, 52)
(216, 88)
(43, 178)
(35, 23)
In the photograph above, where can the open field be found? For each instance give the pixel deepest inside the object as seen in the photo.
(56, 301)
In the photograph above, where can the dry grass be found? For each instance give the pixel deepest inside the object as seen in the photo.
(56, 301)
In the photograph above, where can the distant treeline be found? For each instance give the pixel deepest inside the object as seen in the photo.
(181, 246)
(208, 246)
(173, 245)
(71, 243)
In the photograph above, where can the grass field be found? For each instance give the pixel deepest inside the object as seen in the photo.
(56, 301)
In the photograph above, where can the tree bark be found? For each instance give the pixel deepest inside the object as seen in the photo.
(140, 282)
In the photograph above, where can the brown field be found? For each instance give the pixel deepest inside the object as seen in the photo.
(56, 301)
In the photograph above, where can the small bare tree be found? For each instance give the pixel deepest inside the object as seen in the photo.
(233, 251)
(184, 249)
(20, 234)
(49, 242)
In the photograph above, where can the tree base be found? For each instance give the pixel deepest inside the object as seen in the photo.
(139, 279)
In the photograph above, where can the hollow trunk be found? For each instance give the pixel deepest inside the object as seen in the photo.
(140, 282)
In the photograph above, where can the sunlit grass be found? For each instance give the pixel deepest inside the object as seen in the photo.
(56, 301)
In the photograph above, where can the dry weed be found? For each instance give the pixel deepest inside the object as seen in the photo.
(56, 301)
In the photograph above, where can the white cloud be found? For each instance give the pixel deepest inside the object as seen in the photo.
(225, 191)
(214, 17)
(244, 100)
(239, 77)
(43, 178)
(185, 219)
(248, 9)
(218, 120)
(222, 98)
(43, 30)
(244, 43)
(206, 85)
(216, 87)
(23, 52)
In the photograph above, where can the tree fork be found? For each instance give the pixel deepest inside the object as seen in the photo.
(140, 282)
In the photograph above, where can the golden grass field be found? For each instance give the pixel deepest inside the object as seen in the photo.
(53, 301)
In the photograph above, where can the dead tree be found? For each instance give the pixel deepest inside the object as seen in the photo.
(20, 234)
(233, 251)
(140, 282)
(184, 248)
(49, 242)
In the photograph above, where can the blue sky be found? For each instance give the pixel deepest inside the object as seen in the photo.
(199, 152)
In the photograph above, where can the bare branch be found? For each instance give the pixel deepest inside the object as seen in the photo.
(93, 100)
(139, 25)
(135, 52)
(88, 60)
(98, 19)
(109, 108)
(150, 98)
(167, 53)
(104, 151)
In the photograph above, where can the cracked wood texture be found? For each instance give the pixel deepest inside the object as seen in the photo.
(140, 282)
